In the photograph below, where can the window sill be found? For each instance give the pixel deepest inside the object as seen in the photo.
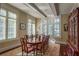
(57, 36)
(1, 41)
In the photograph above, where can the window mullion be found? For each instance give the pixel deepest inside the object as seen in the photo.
(6, 25)
(31, 29)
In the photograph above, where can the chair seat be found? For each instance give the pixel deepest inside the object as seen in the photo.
(28, 45)
(29, 49)
(39, 47)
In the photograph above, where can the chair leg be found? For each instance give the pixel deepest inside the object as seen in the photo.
(36, 52)
(26, 53)
(44, 50)
(22, 53)
(41, 53)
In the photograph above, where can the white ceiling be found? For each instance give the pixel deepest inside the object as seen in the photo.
(65, 8)
(27, 9)
(46, 8)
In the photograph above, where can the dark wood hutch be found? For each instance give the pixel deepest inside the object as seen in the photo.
(73, 34)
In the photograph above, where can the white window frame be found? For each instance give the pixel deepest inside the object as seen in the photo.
(6, 25)
(13, 19)
(31, 25)
(55, 28)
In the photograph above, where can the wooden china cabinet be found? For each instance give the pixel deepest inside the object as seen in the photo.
(73, 33)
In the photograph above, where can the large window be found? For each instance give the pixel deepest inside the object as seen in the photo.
(57, 27)
(2, 23)
(11, 25)
(29, 30)
(7, 24)
(50, 27)
(50, 30)
(31, 27)
(44, 26)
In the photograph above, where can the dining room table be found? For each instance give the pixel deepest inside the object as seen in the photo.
(34, 42)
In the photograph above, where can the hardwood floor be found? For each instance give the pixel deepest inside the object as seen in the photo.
(12, 52)
(53, 50)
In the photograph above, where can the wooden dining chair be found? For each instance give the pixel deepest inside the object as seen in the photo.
(43, 44)
(40, 47)
(39, 38)
(31, 37)
(26, 48)
(47, 42)
(36, 36)
(26, 37)
(37, 45)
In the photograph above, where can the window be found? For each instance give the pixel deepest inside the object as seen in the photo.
(7, 24)
(2, 23)
(11, 28)
(31, 27)
(50, 30)
(50, 27)
(2, 12)
(11, 25)
(57, 27)
(44, 27)
(2, 27)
